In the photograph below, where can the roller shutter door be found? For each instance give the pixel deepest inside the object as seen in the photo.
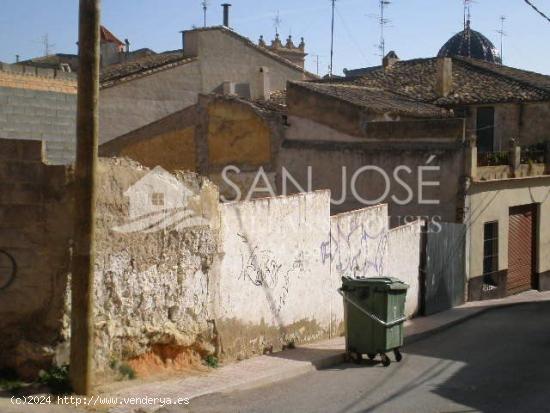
(521, 249)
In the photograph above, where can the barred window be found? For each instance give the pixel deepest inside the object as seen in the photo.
(157, 199)
(490, 248)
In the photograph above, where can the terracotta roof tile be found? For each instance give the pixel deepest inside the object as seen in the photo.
(474, 82)
(142, 66)
(376, 99)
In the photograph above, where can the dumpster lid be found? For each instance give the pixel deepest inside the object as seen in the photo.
(389, 283)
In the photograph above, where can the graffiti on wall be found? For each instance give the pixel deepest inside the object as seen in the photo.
(262, 268)
(8, 269)
(358, 249)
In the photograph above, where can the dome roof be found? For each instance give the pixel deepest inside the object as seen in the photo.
(469, 43)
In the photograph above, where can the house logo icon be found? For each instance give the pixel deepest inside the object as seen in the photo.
(159, 201)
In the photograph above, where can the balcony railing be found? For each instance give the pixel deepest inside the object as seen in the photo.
(533, 154)
(493, 158)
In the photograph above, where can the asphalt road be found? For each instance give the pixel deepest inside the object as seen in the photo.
(497, 362)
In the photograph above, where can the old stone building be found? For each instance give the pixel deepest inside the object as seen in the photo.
(502, 205)
(219, 130)
(141, 87)
(137, 93)
(412, 122)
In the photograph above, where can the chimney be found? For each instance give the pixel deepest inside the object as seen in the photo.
(444, 76)
(127, 43)
(390, 59)
(226, 7)
(264, 87)
(228, 88)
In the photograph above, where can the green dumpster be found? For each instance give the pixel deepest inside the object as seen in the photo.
(374, 310)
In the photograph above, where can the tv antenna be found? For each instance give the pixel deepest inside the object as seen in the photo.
(383, 21)
(502, 34)
(205, 4)
(47, 46)
(277, 21)
(331, 66)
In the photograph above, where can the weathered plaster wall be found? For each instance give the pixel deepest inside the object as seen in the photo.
(528, 123)
(152, 287)
(274, 286)
(39, 104)
(174, 151)
(333, 167)
(362, 245)
(169, 142)
(226, 57)
(535, 123)
(35, 232)
(129, 105)
(236, 280)
(404, 261)
(237, 135)
(491, 201)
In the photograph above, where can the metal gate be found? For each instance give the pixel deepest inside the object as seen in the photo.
(444, 267)
(521, 248)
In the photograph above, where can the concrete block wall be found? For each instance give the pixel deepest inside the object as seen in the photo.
(35, 230)
(39, 105)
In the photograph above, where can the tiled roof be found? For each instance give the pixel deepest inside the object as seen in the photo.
(52, 61)
(376, 99)
(143, 66)
(474, 82)
(276, 102)
(107, 36)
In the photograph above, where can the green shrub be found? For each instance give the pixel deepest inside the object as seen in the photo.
(126, 371)
(56, 379)
(212, 362)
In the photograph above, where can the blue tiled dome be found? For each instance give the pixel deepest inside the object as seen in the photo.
(469, 43)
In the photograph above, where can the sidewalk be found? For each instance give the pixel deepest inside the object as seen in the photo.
(263, 370)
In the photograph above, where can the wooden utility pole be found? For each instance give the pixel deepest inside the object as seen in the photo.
(82, 332)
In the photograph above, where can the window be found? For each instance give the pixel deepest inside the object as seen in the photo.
(485, 129)
(490, 251)
(157, 199)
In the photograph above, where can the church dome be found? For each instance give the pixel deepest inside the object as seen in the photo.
(469, 43)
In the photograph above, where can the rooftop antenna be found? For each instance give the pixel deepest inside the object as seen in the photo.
(277, 21)
(47, 45)
(502, 35)
(205, 4)
(331, 67)
(383, 23)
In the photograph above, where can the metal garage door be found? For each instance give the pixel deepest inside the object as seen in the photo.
(445, 273)
(522, 248)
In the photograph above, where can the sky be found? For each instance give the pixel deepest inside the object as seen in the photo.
(417, 28)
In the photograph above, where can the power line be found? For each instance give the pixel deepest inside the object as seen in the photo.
(351, 36)
(537, 10)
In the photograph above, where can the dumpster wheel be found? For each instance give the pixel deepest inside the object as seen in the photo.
(398, 355)
(385, 359)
